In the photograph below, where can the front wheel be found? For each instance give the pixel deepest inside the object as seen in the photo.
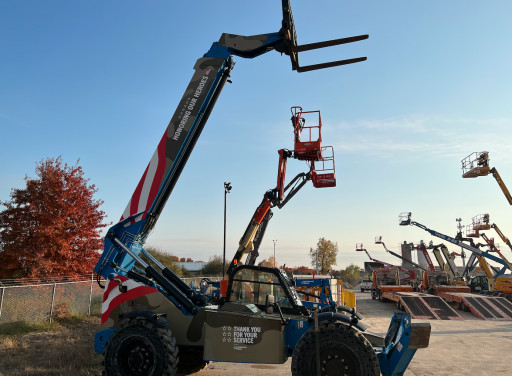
(142, 349)
(343, 351)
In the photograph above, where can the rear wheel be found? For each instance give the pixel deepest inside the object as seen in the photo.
(343, 351)
(191, 360)
(139, 348)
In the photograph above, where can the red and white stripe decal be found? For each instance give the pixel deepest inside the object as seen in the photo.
(149, 184)
(112, 297)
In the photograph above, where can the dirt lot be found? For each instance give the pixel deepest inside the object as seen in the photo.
(457, 347)
(463, 347)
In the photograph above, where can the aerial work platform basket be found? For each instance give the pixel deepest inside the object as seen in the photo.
(481, 222)
(471, 232)
(476, 164)
(307, 130)
(307, 139)
(322, 172)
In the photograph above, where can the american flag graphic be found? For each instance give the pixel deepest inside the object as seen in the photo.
(172, 147)
(113, 297)
(149, 184)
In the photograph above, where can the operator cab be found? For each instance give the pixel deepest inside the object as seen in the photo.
(264, 288)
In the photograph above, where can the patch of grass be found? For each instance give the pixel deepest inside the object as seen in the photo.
(63, 347)
(21, 327)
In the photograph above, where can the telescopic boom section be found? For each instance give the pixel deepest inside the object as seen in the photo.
(360, 248)
(422, 247)
(405, 220)
(501, 235)
(308, 147)
(378, 240)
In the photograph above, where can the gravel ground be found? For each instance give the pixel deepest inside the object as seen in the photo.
(457, 347)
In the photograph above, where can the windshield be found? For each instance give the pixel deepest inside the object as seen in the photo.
(253, 286)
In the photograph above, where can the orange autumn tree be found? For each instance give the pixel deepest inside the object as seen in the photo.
(52, 226)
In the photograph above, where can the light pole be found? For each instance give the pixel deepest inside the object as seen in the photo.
(227, 188)
(275, 241)
(463, 255)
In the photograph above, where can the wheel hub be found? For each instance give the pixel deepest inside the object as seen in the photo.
(335, 362)
(136, 357)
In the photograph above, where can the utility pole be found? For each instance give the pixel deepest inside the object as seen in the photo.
(227, 189)
(463, 255)
(316, 262)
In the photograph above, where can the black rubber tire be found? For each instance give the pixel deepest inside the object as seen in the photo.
(343, 351)
(139, 348)
(191, 360)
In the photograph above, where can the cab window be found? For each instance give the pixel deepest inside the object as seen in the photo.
(253, 286)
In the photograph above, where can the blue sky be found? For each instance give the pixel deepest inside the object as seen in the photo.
(99, 81)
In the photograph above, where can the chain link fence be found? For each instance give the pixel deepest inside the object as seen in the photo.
(41, 302)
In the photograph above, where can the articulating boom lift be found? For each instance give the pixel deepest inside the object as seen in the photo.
(481, 222)
(476, 282)
(477, 164)
(308, 147)
(412, 275)
(155, 324)
(378, 240)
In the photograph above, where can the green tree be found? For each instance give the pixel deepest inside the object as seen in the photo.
(213, 267)
(324, 256)
(165, 258)
(351, 274)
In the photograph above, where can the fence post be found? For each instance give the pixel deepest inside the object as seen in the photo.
(90, 295)
(53, 299)
(2, 301)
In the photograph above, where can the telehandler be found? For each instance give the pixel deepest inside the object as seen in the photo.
(155, 324)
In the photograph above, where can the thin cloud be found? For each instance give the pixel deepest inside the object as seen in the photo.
(421, 137)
